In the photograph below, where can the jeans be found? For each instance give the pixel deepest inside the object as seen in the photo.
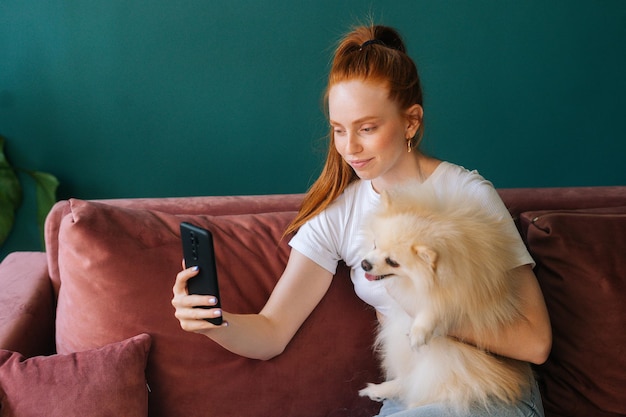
(529, 406)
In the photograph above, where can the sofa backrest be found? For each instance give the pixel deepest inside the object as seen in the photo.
(520, 200)
(211, 205)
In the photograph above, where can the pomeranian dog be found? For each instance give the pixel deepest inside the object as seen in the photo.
(447, 264)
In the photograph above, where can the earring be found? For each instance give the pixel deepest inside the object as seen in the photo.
(408, 145)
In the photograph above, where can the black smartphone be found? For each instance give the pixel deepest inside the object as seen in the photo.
(198, 251)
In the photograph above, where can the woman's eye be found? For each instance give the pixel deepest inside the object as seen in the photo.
(368, 129)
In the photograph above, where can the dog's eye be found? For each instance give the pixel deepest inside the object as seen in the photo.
(392, 263)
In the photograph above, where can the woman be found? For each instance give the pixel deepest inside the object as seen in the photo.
(374, 100)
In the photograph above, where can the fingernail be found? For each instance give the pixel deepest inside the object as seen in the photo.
(213, 300)
(217, 312)
(195, 268)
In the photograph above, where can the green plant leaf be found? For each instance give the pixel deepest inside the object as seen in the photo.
(46, 188)
(10, 194)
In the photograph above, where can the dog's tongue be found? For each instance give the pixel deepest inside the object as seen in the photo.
(371, 277)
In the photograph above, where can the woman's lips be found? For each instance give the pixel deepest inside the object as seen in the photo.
(359, 163)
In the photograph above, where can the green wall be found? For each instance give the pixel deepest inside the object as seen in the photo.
(138, 98)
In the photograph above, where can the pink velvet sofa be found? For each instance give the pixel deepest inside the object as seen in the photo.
(87, 328)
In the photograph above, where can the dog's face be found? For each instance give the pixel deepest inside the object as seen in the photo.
(396, 250)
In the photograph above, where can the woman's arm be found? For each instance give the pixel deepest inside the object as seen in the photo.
(263, 335)
(530, 338)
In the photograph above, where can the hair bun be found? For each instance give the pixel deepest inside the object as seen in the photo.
(390, 37)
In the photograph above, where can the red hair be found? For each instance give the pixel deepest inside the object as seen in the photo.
(382, 61)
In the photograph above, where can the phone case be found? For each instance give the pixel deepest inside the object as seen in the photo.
(198, 251)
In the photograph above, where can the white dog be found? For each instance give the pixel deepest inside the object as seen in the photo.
(447, 264)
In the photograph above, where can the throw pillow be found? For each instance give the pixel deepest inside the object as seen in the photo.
(105, 382)
(117, 268)
(581, 268)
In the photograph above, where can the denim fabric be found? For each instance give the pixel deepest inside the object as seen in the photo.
(529, 406)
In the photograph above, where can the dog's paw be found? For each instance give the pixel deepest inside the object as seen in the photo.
(422, 330)
(378, 392)
(420, 336)
(373, 392)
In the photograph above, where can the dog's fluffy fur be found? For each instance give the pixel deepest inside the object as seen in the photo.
(447, 263)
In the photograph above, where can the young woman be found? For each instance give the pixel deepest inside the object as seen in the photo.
(374, 100)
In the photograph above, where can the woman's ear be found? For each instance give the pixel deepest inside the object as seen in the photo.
(414, 116)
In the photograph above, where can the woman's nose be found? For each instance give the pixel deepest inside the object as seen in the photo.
(353, 145)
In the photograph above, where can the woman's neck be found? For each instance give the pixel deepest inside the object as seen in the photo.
(420, 171)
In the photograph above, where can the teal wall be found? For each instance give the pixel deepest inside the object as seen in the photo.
(150, 98)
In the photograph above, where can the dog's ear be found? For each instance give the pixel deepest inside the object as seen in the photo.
(427, 254)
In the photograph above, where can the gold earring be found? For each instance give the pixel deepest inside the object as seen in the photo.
(408, 145)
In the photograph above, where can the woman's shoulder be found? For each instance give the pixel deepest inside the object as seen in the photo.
(450, 174)
(457, 182)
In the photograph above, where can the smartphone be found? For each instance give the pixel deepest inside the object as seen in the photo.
(198, 251)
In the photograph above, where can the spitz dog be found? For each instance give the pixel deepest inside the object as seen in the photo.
(448, 265)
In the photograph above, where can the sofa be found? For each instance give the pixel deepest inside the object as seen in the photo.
(87, 328)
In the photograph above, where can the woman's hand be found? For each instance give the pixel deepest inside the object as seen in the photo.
(191, 318)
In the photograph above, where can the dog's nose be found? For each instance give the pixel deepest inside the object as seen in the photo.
(366, 265)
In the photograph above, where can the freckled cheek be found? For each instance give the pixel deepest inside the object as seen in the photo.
(395, 141)
(384, 145)
(339, 145)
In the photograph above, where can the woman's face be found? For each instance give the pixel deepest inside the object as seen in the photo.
(370, 132)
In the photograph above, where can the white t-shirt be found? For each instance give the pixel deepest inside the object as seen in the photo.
(335, 233)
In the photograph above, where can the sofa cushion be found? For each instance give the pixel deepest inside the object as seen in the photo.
(27, 303)
(581, 267)
(106, 382)
(117, 268)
